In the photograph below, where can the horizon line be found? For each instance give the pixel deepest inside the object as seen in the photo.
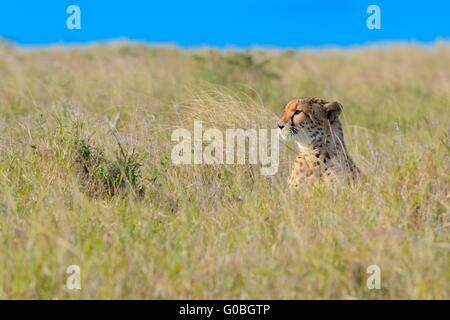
(230, 47)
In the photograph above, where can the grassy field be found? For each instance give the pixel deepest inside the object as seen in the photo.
(86, 176)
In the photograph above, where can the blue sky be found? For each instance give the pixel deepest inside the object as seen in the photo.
(242, 23)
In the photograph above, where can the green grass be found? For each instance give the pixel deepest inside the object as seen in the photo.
(86, 176)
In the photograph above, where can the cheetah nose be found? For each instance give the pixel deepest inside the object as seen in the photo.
(281, 126)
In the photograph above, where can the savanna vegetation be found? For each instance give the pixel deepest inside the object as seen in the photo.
(86, 176)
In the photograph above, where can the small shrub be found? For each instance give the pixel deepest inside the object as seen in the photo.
(100, 176)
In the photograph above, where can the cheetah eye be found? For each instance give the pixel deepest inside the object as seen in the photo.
(295, 113)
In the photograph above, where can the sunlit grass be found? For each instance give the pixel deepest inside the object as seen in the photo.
(140, 227)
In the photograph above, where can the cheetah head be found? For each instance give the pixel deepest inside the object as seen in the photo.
(306, 120)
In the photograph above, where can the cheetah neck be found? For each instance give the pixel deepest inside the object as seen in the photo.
(331, 143)
(325, 157)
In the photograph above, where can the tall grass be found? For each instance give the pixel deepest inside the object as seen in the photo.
(86, 176)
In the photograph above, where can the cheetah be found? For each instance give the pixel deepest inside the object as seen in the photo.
(313, 124)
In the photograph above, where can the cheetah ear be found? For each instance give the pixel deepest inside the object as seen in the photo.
(333, 110)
